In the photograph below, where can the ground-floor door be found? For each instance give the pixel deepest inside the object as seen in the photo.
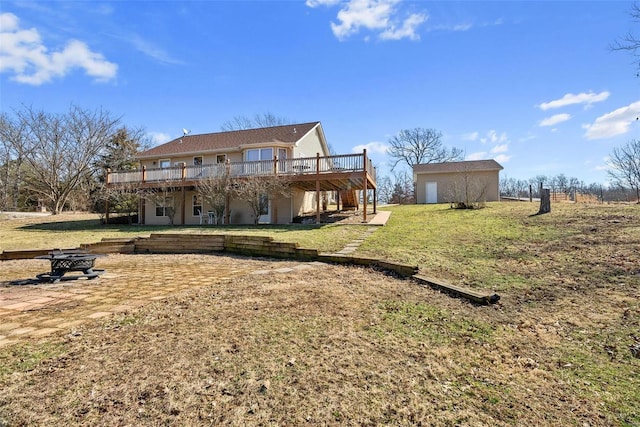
(431, 192)
(265, 210)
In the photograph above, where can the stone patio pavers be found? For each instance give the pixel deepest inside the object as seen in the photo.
(130, 281)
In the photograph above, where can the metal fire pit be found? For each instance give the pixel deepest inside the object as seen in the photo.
(63, 262)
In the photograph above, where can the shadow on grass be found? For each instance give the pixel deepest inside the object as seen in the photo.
(93, 224)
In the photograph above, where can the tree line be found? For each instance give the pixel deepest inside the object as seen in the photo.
(58, 161)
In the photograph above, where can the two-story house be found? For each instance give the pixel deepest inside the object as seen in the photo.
(298, 152)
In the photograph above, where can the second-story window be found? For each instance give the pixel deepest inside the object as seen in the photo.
(260, 154)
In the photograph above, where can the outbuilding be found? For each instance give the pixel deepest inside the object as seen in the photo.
(453, 182)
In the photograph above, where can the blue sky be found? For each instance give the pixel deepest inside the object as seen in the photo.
(533, 85)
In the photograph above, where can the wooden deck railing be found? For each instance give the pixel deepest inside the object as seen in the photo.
(344, 163)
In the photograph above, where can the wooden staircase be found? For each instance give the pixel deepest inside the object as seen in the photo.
(349, 200)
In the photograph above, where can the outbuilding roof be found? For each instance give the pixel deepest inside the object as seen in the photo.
(451, 167)
(287, 134)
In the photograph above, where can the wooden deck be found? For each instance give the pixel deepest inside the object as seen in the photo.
(331, 173)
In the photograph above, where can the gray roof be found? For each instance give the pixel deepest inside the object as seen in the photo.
(288, 134)
(451, 167)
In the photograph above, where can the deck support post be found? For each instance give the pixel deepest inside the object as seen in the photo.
(184, 202)
(317, 188)
(227, 199)
(375, 200)
(364, 192)
(142, 210)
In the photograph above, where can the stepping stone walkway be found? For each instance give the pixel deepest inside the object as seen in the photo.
(379, 219)
(355, 244)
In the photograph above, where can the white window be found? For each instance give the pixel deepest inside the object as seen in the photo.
(260, 154)
(165, 163)
(163, 207)
(197, 161)
(221, 158)
(197, 205)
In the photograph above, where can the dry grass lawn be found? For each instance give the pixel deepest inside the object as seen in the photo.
(352, 346)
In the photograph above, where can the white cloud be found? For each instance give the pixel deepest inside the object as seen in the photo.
(380, 16)
(481, 155)
(527, 138)
(455, 28)
(372, 147)
(484, 155)
(493, 137)
(8, 22)
(503, 148)
(465, 26)
(555, 119)
(23, 54)
(614, 123)
(151, 50)
(502, 158)
(407, 30)
(473, 136)
(158, 138)
(570, 99)
(316, 3)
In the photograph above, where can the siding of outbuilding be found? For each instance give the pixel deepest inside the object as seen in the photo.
(449, 183)
(479, 177)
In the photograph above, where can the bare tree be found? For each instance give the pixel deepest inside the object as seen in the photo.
(625, 166)
(13, 135)
(403, 189)
(385, 189)
(163, 199)
(256, 191)
(467, 191)
(630, 42)
(62, 149)
(264, 120)
(420, 146)
(215, 188)
(511, 187)
(122, 198)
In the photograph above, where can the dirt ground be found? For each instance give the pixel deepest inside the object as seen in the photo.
(336, 217)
